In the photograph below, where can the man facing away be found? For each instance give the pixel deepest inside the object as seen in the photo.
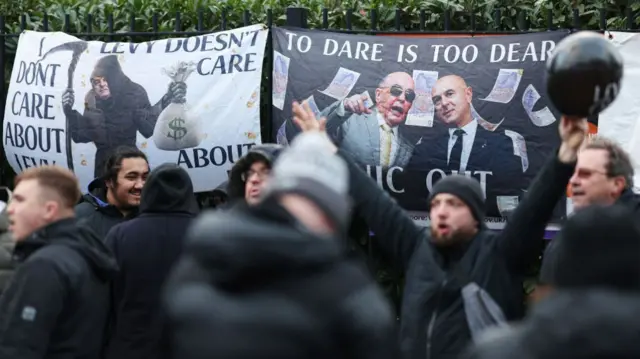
(273, 280)
(146, 248)
(56, 304)
(115, 197)
(593, 309)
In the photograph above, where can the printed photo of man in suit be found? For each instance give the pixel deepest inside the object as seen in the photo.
(467, 146)
(370, 132)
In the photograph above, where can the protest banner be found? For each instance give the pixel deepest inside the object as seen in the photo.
(620, 121)
(192, 101)
(397, 105)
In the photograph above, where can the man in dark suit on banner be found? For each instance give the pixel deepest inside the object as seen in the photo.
(468, 146)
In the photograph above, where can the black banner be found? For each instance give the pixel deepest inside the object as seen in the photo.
(412, 110)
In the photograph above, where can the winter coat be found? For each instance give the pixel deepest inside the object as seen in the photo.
(56, 304)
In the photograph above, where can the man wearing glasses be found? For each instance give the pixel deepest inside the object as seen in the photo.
(368, 131)
(250, 174)
(603, 176)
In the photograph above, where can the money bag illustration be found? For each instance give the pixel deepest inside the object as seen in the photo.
(175, 128)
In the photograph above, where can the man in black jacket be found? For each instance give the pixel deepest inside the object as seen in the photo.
(146, 248)
(115, 197)
(459, 250)
(272, 279)
(57, 301)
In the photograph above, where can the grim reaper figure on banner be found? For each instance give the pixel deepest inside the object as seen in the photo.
(115, 109)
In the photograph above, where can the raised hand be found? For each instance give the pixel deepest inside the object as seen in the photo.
(573, 132)
(304, 117)
(68, 99)
(306, 120)
(356, 104)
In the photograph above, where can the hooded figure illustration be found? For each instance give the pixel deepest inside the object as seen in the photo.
(114, 110)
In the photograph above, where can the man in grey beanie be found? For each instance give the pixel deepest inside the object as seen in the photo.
(458, 252)
(272, 279)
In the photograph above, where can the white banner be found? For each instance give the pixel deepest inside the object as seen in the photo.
(619, 121)
(193, 101)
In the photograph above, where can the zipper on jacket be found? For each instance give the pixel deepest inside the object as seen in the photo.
(434, 317)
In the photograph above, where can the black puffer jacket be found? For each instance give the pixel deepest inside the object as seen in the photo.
(56, 304)
(254, 284)
(571, 325)
(433, 322)
(96, 213)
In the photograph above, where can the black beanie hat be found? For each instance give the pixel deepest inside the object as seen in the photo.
(465, 188)
(599, 246)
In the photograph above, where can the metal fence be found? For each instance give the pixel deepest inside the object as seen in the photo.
(294, 17)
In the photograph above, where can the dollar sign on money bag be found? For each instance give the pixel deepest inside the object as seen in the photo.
(178, 131)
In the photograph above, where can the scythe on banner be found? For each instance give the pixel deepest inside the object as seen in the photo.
(76, 48)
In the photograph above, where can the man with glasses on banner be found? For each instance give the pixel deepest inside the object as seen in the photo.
(370, 132)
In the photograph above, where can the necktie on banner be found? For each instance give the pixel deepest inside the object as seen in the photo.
(455, 160)
(387, 142)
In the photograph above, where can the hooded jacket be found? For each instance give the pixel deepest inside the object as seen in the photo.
(114, 121)
(96, 213)
(56, 304)
(146, 248)
(266, 152)
(433, 321)
(581, 324)
(253, 283)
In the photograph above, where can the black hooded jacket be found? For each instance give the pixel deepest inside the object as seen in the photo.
(253, 283)
(114, 121)
(56, 305)
(96, 213)
(146, 248)
(585, 324)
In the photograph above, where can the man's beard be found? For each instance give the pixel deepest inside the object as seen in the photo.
(452, 238)
(123, 202)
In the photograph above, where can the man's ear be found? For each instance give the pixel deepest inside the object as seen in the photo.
(51, 210)
(619, 183)
(468, 93)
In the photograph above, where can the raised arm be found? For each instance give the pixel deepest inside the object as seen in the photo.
(521, 240)
(395, 230)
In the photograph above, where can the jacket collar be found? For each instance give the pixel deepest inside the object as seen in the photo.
(43, 237)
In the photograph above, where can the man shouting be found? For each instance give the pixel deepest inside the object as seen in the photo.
(370, 133)
(115, 109)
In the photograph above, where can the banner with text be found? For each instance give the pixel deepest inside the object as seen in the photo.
(413, 110)
(192, 101)
(619, 121)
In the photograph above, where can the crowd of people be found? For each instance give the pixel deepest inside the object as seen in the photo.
(136, 269)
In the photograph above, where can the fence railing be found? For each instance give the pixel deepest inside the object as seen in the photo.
(115, 29)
